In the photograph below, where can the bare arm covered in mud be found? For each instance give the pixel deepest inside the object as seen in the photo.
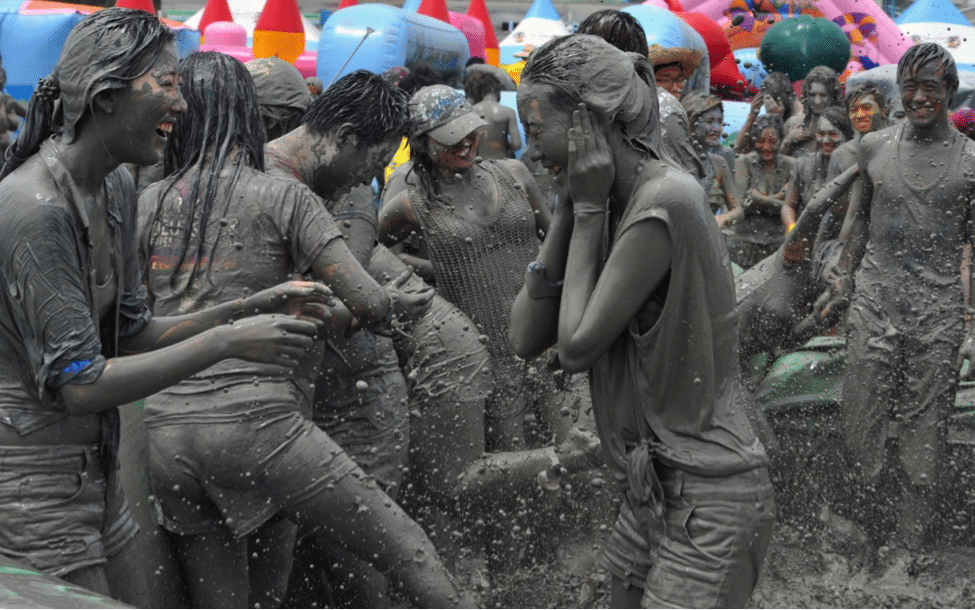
(598, 304)
(799, 243)
(276, 340)
(732, 196)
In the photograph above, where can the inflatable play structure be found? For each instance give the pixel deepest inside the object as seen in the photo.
(246, 13)
(540, 24)
(471, 26)
(874, 38)
(672, 39)
(940, 21)
(378, 37)
(33, 32)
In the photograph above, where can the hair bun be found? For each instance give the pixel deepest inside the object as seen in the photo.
(48, 89)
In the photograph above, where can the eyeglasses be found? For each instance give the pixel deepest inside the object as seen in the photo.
(665, 81)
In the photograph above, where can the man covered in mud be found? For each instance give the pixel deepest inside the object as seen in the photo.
(906, 321)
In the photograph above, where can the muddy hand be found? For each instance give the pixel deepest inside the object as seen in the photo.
(296, 298)
(408, 305)
(270, 339)
(833, 302)
(591, 167)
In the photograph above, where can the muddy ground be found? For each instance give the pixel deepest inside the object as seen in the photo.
(817, 559)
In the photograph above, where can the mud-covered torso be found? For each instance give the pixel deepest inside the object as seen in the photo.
(919, 220)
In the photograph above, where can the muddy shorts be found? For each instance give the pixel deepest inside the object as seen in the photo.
(711, 547)
(241, 474)
(360, 401)
(59, 511)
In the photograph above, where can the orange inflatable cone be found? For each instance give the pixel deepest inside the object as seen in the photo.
(140, 5)
(434, 8)
(346, 3)
(279, 32)
(478, 10)
(215, 10)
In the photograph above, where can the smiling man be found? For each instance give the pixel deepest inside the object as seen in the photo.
(907, 318)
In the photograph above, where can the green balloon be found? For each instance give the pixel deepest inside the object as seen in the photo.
(797, 45)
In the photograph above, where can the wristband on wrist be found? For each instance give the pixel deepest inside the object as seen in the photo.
(538, 285)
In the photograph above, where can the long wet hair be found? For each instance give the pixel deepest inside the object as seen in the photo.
(376, 108)
(223, 119)
(930, 53)
(106, 51)
(778, 86)
(824, 76)
(696, 103)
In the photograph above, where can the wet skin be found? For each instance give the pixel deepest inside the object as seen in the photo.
(767, 145)
(707, 128)
(818, 98)
(828, 136)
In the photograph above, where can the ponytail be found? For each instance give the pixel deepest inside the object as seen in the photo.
(38, 125)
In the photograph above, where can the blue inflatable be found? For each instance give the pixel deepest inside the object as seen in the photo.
(750, 66)
(30, 45)
(398, 38)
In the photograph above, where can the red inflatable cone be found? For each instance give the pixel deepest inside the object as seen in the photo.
(279, 31)
(140, 5)
(215, 10)
(478, 10)
(346, 3)
(434, 8)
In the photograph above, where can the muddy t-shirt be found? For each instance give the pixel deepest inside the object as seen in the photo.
(671, 379)
(49, 332)
(759, 226)
(261, 232)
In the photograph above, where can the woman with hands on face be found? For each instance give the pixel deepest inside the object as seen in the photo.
(650, 313)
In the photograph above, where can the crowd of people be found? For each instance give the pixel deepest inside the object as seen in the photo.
(347, 397)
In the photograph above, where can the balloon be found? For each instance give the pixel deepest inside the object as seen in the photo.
(751, 66)
(796, 46)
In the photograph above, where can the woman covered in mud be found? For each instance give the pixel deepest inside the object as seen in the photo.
(480, 223)
(74, 315)
(832, 129)
(706, 117)
(650, 313)
(233, 448)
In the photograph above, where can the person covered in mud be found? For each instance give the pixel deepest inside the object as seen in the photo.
(764, 177)
(706, 116)
(698, 508)
(283, 93)
(900, 269)
(480, 223)
(77, 335)
(821, 89)
(501, 138)
(833, 129)
(776, 97)
(360, 397)
(10, 111)
(219, 227)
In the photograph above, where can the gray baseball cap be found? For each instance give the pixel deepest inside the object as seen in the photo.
(278, 83)
(444, 114)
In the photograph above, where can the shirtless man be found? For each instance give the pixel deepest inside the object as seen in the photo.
(906, 321)
(500, 138)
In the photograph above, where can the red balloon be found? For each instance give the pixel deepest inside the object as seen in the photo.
(724, 71)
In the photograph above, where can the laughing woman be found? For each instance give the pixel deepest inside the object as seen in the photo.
(73, 314)
(649, 311)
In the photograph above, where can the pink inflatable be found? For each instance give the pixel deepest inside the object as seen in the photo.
(228, 38)
(874, 38)
(473, 31)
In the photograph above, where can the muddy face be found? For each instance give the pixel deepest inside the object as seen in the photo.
(456, 158)
(828, 136)
(707, 127)
(768, 145)
(547, 128)
(353, 164)
(818, 98)
(146, 111)
(865, 114)
(924, 96)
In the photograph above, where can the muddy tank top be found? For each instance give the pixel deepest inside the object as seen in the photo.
(480, 267)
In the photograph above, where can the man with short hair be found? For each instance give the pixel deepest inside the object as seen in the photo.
(907, 318)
